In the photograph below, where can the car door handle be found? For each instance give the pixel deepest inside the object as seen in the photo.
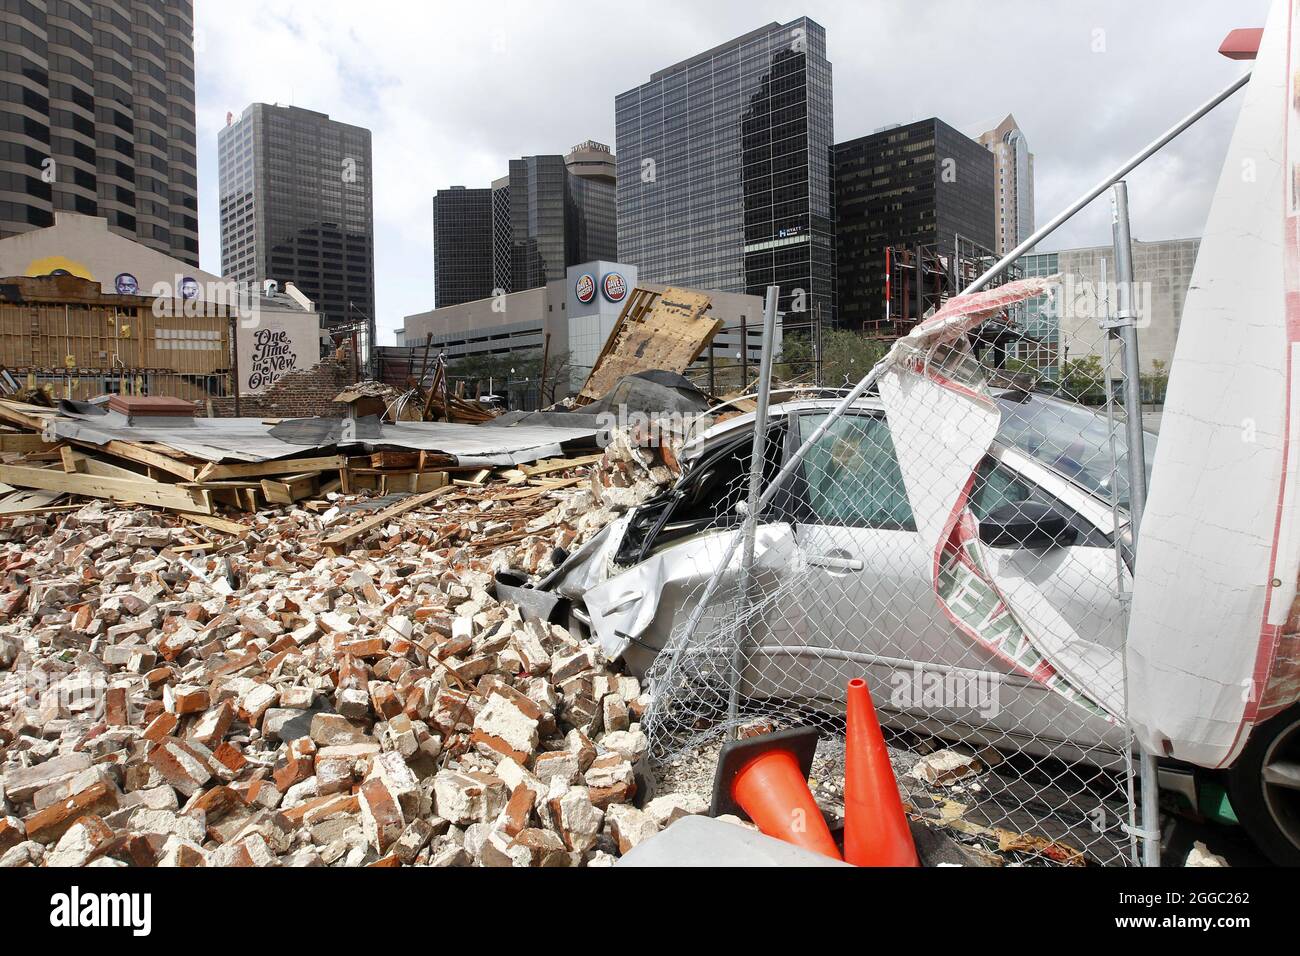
(837, 560)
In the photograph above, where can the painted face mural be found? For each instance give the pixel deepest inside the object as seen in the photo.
(126, 284)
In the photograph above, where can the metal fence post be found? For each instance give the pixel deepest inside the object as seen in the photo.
(758, 452)
(1125, 327)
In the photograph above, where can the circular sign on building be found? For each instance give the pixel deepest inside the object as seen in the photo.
(615, 287)
(585, 288)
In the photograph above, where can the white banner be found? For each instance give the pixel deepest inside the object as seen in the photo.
(943, 420)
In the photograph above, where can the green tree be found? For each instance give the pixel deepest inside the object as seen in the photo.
(484, 372)
(1083, 381)
(1155, 383)
(846, 357)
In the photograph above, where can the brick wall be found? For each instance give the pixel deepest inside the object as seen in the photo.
(301, 394)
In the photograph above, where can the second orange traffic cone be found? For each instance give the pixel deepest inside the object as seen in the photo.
(766, 777)
(875, 827)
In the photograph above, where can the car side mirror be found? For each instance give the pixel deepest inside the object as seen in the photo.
(1027, 524)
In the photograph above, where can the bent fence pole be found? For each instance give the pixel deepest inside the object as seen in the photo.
(1125, 325)
(758, 452)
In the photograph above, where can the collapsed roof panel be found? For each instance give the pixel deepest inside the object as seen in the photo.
(255, 440)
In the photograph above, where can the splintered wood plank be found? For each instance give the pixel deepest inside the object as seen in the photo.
(670, 335)
(341, 540)
(558, 464)
(401, 460)
(142, 455)
(22, 443)
(140, 489)
(412, 482)
(29, 502)
(219, 524)
(74, 462)
(285, 466)
(290, 488)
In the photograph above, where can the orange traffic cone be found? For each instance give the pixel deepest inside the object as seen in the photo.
(875, 827)
(766, 777)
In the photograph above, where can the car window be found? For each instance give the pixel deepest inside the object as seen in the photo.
(997, 485)
(851, 479)
(851, 475)
(1073, 440)
(706, 498)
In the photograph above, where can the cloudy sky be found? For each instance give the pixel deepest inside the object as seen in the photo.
(453, 91)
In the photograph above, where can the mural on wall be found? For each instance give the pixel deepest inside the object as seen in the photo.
(58, 266)
(273, 357)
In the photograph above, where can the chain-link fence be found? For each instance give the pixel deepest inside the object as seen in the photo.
(958, 537)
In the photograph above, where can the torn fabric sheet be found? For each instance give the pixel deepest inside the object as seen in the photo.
(1214, 635)
(943, 422)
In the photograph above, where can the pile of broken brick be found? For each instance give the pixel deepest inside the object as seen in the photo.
(171, 696)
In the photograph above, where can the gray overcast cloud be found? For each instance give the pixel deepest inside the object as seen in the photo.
(453, 91)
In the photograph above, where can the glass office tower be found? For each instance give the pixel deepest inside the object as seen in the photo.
(297, 206)
(462, 245)
(919, 185)
(724, 169)
(97, 114)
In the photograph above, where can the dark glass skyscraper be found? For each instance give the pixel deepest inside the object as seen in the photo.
(548, 213)
(97, 115)
(539, 201)
(724, 169)
(913, 186)
(297, 206)
(462, 245)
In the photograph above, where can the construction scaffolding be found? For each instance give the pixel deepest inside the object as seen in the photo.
(920, 278)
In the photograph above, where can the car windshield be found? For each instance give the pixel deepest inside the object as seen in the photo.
(1073, 440)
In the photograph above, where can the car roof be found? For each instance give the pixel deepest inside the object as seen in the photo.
(723, 431)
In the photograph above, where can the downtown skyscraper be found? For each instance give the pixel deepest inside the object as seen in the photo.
(1014, 164)
(725, 170)
(97, 113)
(918, 186)
(297, 205)
(547, 213)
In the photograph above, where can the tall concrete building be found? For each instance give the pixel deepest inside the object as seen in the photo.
(1014, 167)
(97, 111)
(921, 191)
(546, 214)
(462, 245)
(1064, 327)
(297, 205)
(724, 169)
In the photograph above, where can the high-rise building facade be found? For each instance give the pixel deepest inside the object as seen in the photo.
(593, 214)
(501, 277)
(297, 206)
(97, 114)
(462, 245)
(539, 204)
(724, 169)
(1064, 327)
(547, 213)
(1014, 167)
(923, 186)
